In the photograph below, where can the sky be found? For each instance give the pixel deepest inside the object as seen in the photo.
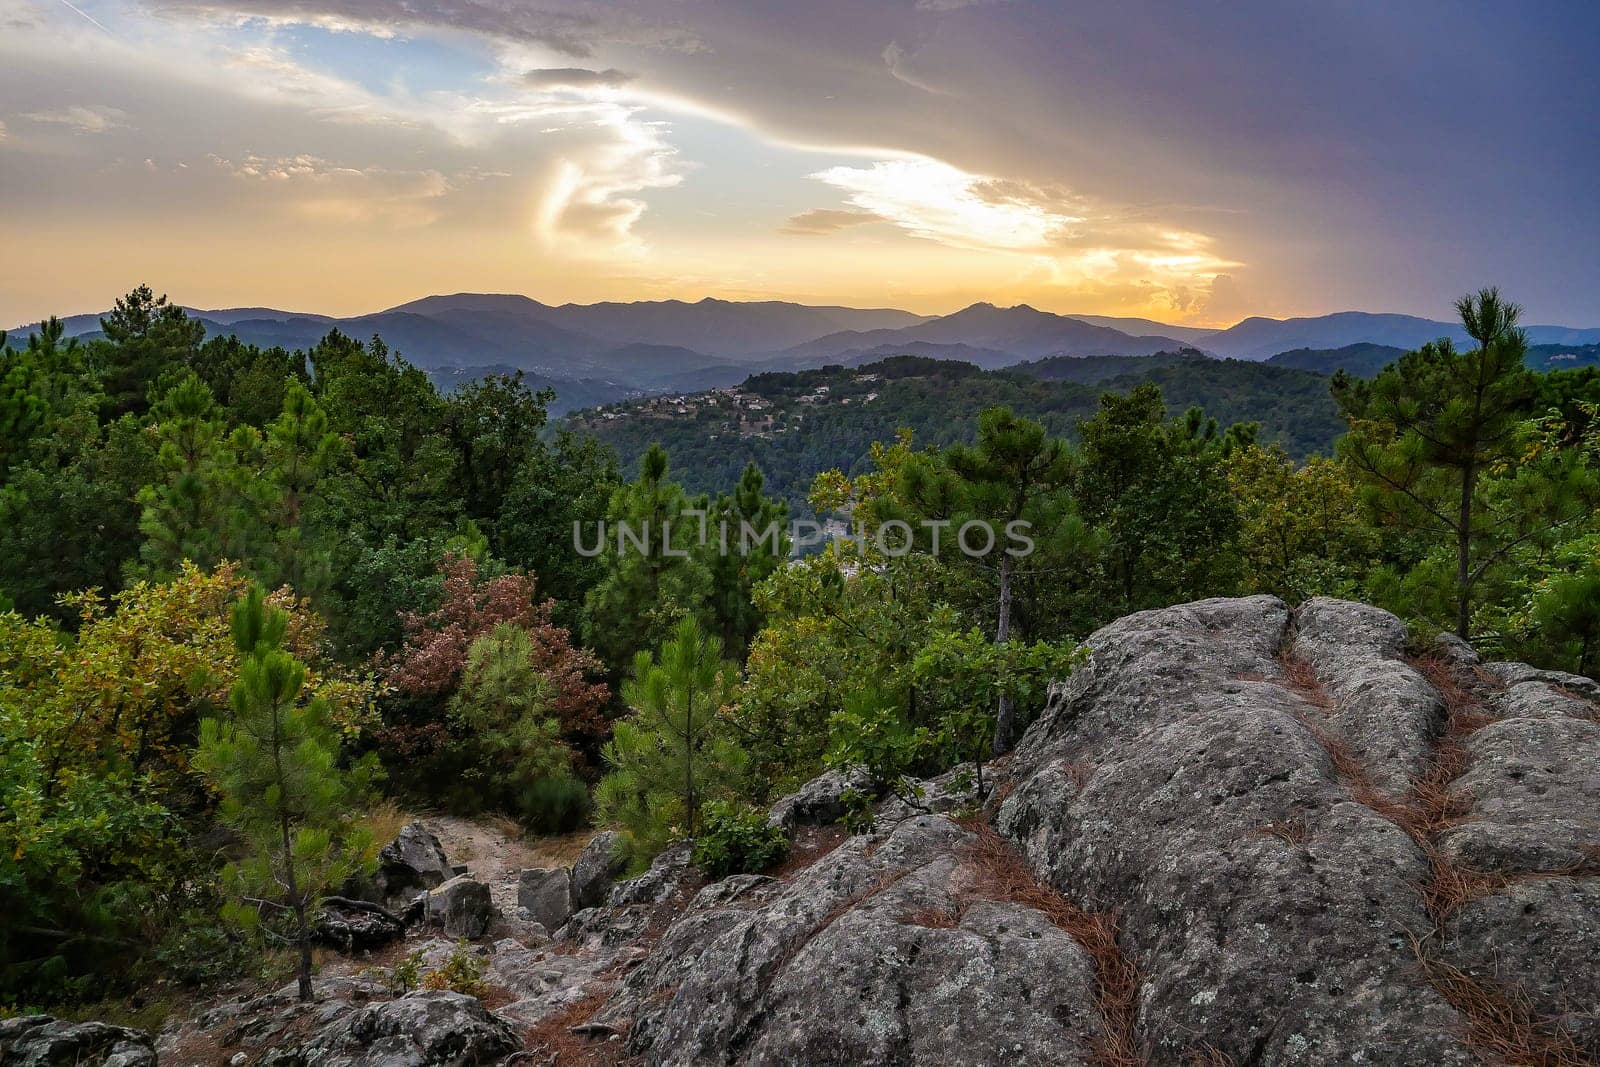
(1190, 162)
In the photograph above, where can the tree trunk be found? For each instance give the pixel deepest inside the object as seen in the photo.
(688, 764)
(1004, 724)
(303, 932)
(1464, 556)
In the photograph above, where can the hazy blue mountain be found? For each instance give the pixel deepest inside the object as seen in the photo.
(1260, 338)
(1021, 331)
(661, 364)
(1194, 335)
(671, 345)
(229, 316)
(732, 329)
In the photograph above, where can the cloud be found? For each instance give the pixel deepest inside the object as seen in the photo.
(950, 5)
(588, 202)
(2, 133)
(933, 200)
(576, 31)
(897, 59)
(576, 78)
(314, 188)
(78, 118)
(1067, 242)
(820, 221)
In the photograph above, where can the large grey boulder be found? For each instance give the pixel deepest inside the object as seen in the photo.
(1236, 780)
(1380, 705)
(412, 862)
(463, 906)
(876, 954)
(597, 866)
(43, 1041)
(546, 894)
(1533, 784)
(1175, 780)
(821, 801)
(668, 873)
(423, 1029)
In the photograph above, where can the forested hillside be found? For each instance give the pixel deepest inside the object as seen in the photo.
(813, 421)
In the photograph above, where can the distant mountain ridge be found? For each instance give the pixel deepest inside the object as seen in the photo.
(592, 352)
(1262, 338)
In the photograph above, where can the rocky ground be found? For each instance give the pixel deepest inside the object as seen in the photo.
(1240, 834)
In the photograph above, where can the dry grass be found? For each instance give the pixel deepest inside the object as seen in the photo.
(1293, 830)
(1207, 1055)
(1451, 886)
(934, 919)
(1464, 711)
(556, 851)
(1501, 1023)
(1301, 677)
(504, 825)
(811, 843)
(554, 1039)
(1002, 875)
(384, 821)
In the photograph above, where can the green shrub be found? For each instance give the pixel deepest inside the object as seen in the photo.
(558, 804)
(461, 973)
(738, 840)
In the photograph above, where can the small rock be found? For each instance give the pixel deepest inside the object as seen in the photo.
(463, 906)
(413, 861)
(667, 872)
(596, 868)
(820, 801)
(545, 893)
(422, 1029)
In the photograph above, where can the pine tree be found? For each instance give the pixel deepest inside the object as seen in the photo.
(1440, 439)
(299, 450)
(188, 517)
(739, 555)
(504, 710)
(275, 763)
(1155, 493)
(673, 753)
(1013, 474)
(653, 574)
(1567, 615)
(144, 336)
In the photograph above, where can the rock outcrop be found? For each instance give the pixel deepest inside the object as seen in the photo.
(1238, 834)
(596, 867)
(425, 1029)
(42, 1041)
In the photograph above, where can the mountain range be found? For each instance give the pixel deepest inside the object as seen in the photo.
(594, 353)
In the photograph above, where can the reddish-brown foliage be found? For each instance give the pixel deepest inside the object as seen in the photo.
(437, 641)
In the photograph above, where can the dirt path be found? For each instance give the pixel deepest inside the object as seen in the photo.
(496, 851)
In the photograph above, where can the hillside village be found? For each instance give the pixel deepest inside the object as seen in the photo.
(756, 409)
